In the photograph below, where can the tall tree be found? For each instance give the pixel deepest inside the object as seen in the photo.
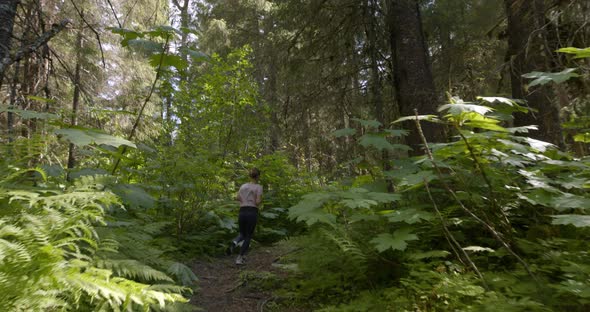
(7, 14)
(413, 79)
(529, 51)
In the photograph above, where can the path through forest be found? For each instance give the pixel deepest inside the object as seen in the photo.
(224, 286)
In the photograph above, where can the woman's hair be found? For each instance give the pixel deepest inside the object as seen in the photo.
(254, 173)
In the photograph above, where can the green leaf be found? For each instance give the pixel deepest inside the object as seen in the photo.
(409, 216)
(145, 46)
(397, 241)
(570, 201)
(168, 60)
(542, 78)
(375, 141)
(384, 197)
(432, 118)
(459, 108)
(182, 273)
(127, 35)
(582, 137)
(82, 137)
(540, 146)
(134, 196)
(358, 203)
(29, 114)
(368, 123)
(495, 99)
(478, 249)
(396, 132)
(310, 209)
(417, 178)
(40, 99)
(575, 220)
(344, 132)
(195, 55)
(523, 129)
(163, 31)
(579, 53)
(489, 124)
(429, 254)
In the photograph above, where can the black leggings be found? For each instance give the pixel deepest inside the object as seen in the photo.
(247, 222)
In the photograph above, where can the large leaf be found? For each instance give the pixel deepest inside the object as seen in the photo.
(541, 78)
(82, 137)
(368, 123)
(457, 109)
(579, 53)
(310, 209)
(28, 114)
(497, 99)
(134, 196)
(145, 46)
(195, 55)
(409, 216)
(397, 241)
(432, 118)
(375, 141)
(575, 220)
(570, 201)
(396, 132)
(478, 249)
(168, 60)
(582, 137)
(429, 254)
(344, 132)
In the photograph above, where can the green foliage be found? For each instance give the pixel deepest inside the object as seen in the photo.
(397, 241)
(541, 78)
(534, 195)
(83, 137)
(50, 254)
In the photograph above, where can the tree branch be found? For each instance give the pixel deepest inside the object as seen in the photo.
(147, 99)
(81, 13)
(40, 41)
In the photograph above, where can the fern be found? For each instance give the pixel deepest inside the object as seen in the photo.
(347, 246)
(48, 256)
(133, 269)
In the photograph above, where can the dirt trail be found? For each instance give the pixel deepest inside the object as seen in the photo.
(224, 286)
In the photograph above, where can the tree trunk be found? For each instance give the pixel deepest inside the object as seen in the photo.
(7, 14)
(413, 80)
(373, 52)
(528, 51)
(76, 98)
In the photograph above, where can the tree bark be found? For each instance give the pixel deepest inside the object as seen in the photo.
(413, 79)
(529, 51)
(76, 97)
(7, 14)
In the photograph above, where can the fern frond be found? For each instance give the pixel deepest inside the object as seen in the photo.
(133, 269)
(347, 246)
(182, 273)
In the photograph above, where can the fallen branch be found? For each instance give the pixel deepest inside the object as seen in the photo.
(39, 42)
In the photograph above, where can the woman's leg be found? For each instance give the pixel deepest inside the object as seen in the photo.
(247, 225)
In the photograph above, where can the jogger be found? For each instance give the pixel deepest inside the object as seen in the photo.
(249, 196)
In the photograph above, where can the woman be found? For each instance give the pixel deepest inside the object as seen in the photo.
(249, 196)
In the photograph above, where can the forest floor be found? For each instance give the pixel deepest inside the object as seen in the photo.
(225, 286)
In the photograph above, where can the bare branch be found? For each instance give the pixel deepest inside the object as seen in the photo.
(39, 42)
(81, 13)
(114, 13)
